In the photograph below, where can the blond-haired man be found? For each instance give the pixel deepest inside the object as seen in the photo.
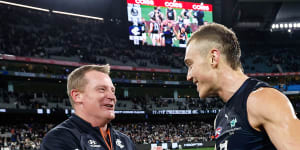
(255, 116)
(92, 95)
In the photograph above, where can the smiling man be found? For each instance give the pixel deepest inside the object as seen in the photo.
(255, 116)
(92, 95)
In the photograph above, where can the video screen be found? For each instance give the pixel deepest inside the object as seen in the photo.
(165, 23)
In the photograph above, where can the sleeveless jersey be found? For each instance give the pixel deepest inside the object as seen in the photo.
(185, 14)
(155, 27)
(182, 38)
(170, 14)
(232, 128)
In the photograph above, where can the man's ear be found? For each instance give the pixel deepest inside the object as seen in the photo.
(215, 56)
(76, 96)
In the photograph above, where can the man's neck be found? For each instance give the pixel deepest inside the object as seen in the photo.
(95, 122)
(229, 82)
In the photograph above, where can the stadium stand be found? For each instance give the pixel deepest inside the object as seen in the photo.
(61, 37)
(34, 34)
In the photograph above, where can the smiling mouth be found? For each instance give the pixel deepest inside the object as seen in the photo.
(109, 106)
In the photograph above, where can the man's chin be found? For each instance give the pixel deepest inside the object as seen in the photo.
(111, 116)
(200, 96)
(203, 95)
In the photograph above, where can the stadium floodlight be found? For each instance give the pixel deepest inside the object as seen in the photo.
(277, 26)
(298, 25)
(285, 25)
(77, 15)
(24, 6)
(273, 26)
(290, 25)
(295, 25)
(281, 25)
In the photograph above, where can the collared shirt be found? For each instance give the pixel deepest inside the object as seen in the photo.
(77, 134)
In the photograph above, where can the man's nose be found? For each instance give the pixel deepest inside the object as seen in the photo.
(189, 76)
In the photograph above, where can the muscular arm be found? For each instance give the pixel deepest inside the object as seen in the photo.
(270, 110)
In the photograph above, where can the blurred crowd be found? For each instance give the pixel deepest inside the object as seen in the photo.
(147, 133)
(29, 136)
(44, 100)
(23, 136)
(48, 35)
(31, 33)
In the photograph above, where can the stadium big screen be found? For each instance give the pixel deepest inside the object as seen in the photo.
(165, 23)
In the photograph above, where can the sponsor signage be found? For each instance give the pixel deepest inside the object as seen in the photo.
(172, 4)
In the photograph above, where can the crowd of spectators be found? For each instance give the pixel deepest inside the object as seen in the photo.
(29, 136)
(61, 72)
(31, 33)
(270, 60)
(33, 100)
(44, 100)
(48, 35)
(36, 100)
(159, 103)
(23, 136)
(65, 70)
(147, 133)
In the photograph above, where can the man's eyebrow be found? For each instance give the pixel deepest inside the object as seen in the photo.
(105, 86)
(100, 86)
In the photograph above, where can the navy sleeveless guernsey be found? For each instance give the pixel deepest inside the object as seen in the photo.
(232, 128)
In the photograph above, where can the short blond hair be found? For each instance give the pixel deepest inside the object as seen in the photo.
(76, 78)
(225, 37)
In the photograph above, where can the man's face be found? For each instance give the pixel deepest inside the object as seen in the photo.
(199, 69)
(98, 97)
(182, 30)
(170, 25)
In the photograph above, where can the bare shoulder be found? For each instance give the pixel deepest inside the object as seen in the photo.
(267, 104)
(270, 110)
(266, 101)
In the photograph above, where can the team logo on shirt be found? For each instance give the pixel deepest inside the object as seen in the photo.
(233, 122)
(134, 12)
(93, 143)
(119, 143)
(218, 132)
